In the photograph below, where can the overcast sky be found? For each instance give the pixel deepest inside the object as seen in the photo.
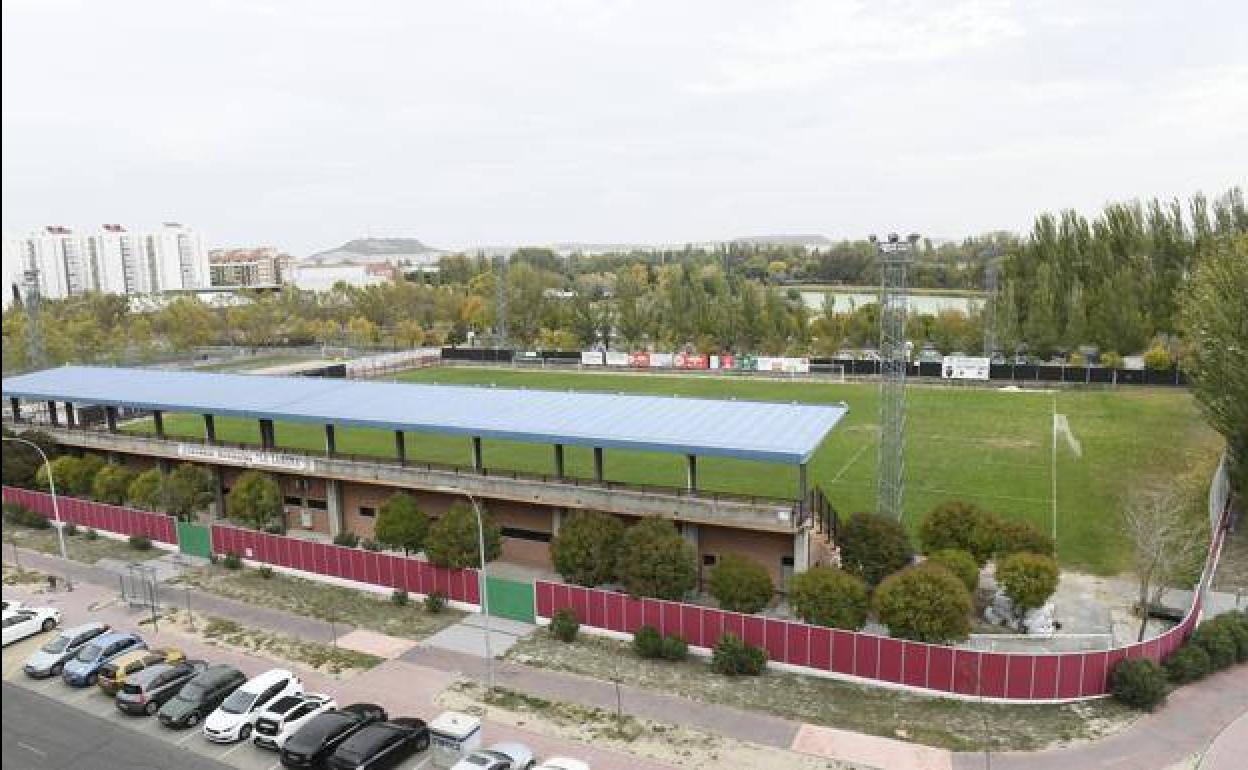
(304, 124)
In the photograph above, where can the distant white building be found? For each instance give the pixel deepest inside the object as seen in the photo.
(323, 277)
(111, 260)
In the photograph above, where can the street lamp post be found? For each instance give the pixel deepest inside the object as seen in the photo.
(56, 510)
(482, 581)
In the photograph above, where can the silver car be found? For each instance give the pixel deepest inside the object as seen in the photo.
(49, 659)
(500, 756)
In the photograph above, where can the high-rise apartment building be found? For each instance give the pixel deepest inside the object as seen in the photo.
(112, 260)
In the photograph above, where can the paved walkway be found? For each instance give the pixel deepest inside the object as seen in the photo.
(1229, 748)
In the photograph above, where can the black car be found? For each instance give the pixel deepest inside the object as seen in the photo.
(381, 745)
(313, 744)
(200, 696)
(151, 688)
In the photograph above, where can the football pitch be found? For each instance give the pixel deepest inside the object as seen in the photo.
(991, 446)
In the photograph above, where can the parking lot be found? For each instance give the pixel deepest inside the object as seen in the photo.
(92, 700)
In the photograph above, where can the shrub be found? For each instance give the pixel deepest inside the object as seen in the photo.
(1187, 664)
(964, 526)
(733, 657)
(111, 483)
(647, 643)
(21, 463)
(827, 596)
(348, 539)
(585, 550)
(435, 602)
(401, 523)
(232, 561)
(1236, 624)
(266, 572)
(70, 529)
(91, 534)
(1157, 357)
(145, 490)
(564, 626)
(656, 561)
(368, 544)
(1218, 642)
(740, 584)
(960, 563)
(674, 648)
(925, 603)
(1028, 579)
(25, 517)
(399, 598)
(874, 546)
(141, 542)
(453, 540)
(1139, 683)
(1018, 536)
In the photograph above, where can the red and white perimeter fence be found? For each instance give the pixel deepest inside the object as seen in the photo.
(100, 516)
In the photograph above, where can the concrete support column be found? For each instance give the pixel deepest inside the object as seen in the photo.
(690, 533)
(331, 446)
(333, 498)
(400, 450)
(158, 419)
(267, 439)
(477, 464)
(70, 417)
(16, 405)
(801, 491)
(210, 429)
(598, 472)
(559, 461)
(52, 413)
(556, 520)
(110, 416)
(691, 472)
(218, 486)
(801, 550)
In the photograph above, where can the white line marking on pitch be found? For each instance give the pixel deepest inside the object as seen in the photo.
(1062, 426)
(849, 464)
(32, 749)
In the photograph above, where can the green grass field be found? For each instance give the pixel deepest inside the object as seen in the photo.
(989, 446)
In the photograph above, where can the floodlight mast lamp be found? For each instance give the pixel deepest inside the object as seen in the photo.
(895, 257)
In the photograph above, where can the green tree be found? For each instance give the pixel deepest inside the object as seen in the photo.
(1018, 536)
(454, 540)
(1028, 579)
(874, 546)
(656, 561)
(255, 500)
(20, 462)
(740, 584)
(962, 526)
(925, 603)
(401, 523)
(112, 484)
(827, 596)
(74, 476)
(585, 550)
(188, 490)
(1215, 326)
(959, 563)
(145, 490)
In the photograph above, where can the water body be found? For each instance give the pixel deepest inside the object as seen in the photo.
(923, 304)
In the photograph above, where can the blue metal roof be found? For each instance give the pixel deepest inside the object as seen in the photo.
(750, 430)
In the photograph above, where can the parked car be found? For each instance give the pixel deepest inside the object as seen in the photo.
(113, 673)
(381, 745)
(311, 745)
(146, 691)
(28, 621)
(563, 763)
(286, 715)
(234, 718)
(49, 659)
(12, 604)
(84, 668)
(500, 756)
(200, 696)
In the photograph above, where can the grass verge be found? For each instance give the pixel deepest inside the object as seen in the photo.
(77, 547)
(323, 657)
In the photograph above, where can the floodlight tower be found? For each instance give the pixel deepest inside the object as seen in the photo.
(895, 257)
(990, 307)
(500, 302)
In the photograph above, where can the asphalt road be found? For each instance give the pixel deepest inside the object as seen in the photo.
(43, 734)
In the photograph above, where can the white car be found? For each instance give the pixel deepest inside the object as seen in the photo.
(286, 715)
(234, 718)
(28, 621)
(12, 605)
(562, 763)
(500, 756)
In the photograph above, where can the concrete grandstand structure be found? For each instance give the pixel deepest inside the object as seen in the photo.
(328, 492)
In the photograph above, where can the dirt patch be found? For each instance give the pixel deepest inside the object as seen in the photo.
(669, 744)
(327, 659)
(940, 722)
(321, 600)
(16, 576)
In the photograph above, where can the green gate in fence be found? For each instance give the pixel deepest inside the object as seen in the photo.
(194, 539)
(510, 599)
